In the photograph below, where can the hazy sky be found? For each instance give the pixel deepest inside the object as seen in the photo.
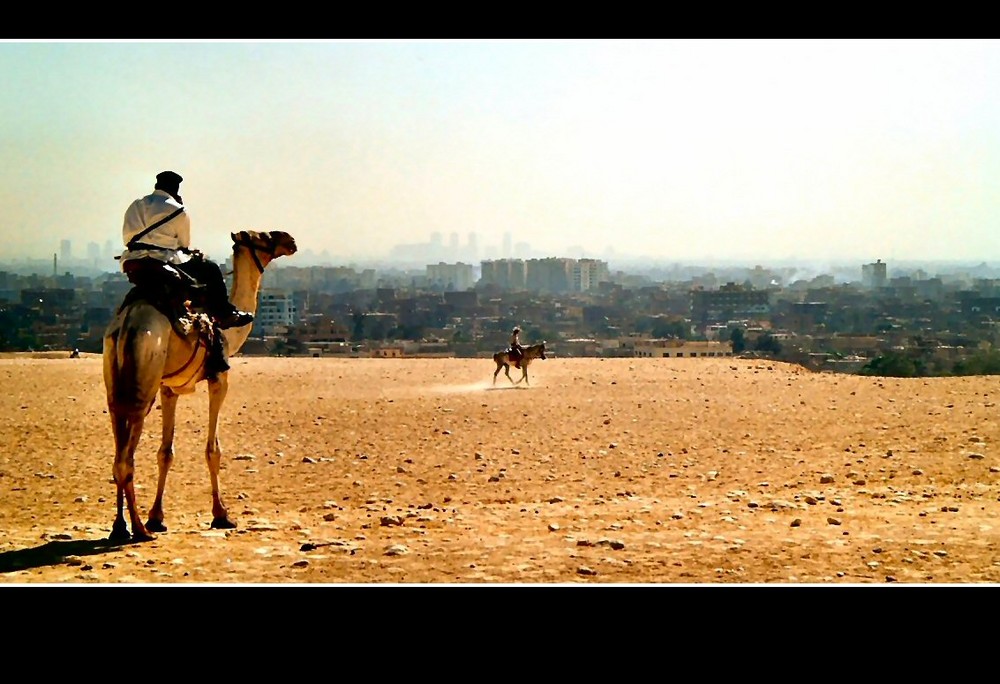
(743, 149)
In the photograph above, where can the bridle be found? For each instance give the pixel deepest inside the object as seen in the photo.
(245, 241)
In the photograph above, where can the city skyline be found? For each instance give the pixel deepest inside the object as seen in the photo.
(423, 257)
(684, 150)
(435, 247)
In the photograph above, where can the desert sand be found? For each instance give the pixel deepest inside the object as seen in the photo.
(421, 471)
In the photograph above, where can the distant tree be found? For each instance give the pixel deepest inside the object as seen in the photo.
(670, 328)
(767, 343)
(983, 362)
(939, 367)
(738, 339)
(280, 347)
(535, 334)
(358, 327)
(15, 331)
(414, 332)
(505, 324)
(644, 324)
(894, 365)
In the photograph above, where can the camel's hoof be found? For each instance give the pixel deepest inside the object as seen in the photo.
(143, 537)
(223, 523)
(119, 534)
(155, 526)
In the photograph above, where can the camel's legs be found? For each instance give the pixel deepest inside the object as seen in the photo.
(213, 453)
(496, 372)
(164, 457)
(128, 430)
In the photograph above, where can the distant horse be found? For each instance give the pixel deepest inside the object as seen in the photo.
(503, 360)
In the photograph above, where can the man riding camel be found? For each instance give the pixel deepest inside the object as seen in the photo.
(157, 236)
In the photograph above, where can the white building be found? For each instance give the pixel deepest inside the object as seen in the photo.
(588, 273)
(673, 348)
(275, 308)
(874, 276)
(451, 277)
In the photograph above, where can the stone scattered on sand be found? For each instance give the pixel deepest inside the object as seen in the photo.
(375, 427)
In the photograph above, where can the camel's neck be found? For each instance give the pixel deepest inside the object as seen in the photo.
(243, 294)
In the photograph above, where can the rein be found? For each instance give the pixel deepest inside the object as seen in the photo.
(244, 241)
(194, 353)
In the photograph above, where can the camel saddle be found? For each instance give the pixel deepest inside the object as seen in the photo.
(179, 297)
(172, 292)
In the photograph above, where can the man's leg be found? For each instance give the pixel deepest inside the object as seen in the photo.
(209, 273)
(159, 282)
(218, 359)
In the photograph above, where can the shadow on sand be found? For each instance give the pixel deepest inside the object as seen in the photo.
(55, 553)
(508, 387)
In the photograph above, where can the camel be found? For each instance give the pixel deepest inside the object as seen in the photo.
(145, 354)
(502, 359)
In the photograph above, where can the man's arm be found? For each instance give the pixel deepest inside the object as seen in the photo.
(183, 230)
(132, 223)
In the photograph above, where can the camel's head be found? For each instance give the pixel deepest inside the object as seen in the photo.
(541, 351)
(263, 246)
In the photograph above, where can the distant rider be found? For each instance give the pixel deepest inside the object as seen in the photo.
(516, 350)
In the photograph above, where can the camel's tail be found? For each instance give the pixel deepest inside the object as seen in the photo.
(127, 392)
(134, 359)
